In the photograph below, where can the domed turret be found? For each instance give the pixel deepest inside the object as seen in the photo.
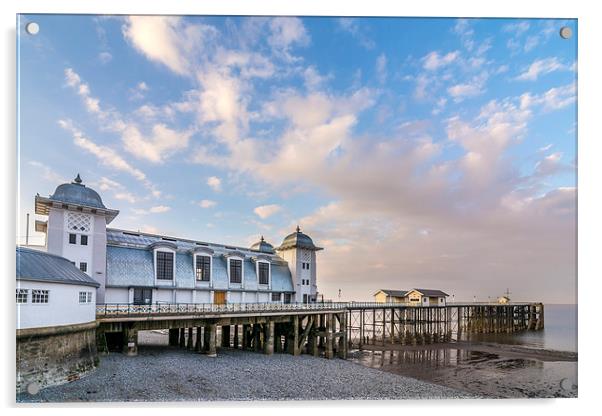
(77, 193)
(263, 246)
(298, 240)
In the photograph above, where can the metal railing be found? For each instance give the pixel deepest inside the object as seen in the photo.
(123, 309)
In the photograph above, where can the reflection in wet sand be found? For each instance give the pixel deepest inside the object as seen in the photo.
(477, 369)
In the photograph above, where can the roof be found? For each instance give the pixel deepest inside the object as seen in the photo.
(263, 246)
(129, 266)
(298, 239)
(77, 193)
(74, 194)
(395, 293)
(431, 292)
(45, 267)
(402, 293)
(130, 262)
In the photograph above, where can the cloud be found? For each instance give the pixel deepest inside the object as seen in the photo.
(214, 183)
(47, 173)
(117, 189)
(541, 67)
(159, 209)
(105, 57)
(106, 155)
(167, 40)
(465, 32)
(434, 61)
(381, 68)
(156, 147)
(266, 211)
(161, 142)
(286, 32)
(476, 86)
(207, 203)
(351, 26)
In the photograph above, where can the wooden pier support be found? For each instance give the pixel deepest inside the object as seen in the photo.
(210, 340)
(130, 340)
(189, 343)
(268, 338)
(226, 336)
(173, 337)
(198, 345)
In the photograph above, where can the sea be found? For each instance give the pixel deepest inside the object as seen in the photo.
(529, 364)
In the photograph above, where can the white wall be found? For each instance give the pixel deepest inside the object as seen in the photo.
(63, 307)
(116, 295)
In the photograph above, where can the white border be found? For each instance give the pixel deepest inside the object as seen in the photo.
(590, 197)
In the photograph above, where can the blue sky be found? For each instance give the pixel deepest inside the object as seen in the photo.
(418, 152)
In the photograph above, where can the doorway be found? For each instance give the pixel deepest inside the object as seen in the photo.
(143, 296)
(219, 297)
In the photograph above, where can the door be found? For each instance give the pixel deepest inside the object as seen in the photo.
(143, 296)
(219, 298)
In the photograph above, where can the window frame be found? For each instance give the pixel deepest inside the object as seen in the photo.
(163, 251)
(45, 295)
(19, 293)
(236, 259)
(279, 296)
(81, 239)
(196, 270)
(85, 266)
(269, 270)
(74, 238)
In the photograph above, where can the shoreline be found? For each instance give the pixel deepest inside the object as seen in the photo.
(486, 369)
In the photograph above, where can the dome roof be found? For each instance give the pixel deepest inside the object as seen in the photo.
(77, 193)
(298, 239)
(263, 246)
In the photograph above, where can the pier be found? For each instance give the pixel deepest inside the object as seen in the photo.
(319, 329)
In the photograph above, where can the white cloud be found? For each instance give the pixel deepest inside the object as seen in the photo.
(156, 147)
(285, 33)
(159, 209)
(266, 211)
(434, 61)
(474, 87)
(214, 183)
(105, 57)
(47, 173)
(168, 40)
(541, 67)
(352, 26)
(108, 156)
(381, 68)
(207, 203)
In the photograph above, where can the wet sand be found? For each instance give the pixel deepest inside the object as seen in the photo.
(487, 369)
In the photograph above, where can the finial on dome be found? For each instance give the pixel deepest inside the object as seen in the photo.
(77, 180)
(298, 229)
(262, 239)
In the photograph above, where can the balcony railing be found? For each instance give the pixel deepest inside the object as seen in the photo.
(122, 309)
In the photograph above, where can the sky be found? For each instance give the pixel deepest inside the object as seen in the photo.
(419, 153)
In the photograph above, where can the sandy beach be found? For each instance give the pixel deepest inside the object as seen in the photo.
(487, 369)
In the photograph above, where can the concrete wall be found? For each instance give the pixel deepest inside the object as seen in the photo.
(55, 355)
(63, 305)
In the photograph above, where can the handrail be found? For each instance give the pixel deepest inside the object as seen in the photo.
(121, 309)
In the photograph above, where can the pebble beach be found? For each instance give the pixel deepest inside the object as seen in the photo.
(160, 373)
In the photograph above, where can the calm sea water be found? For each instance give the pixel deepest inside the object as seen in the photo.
(559, 333)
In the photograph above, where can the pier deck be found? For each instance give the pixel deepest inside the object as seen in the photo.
(328, 329)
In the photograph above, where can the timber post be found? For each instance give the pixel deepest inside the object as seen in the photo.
(268, 338)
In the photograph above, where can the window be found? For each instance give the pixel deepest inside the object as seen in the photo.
(303, 266)
(39, 296)
(264, 273)
(85, 297)
(307, 266)
(305, 298)
(84, 240)
(72, 238)
(164, 265)
(287, 298)
(235, 271)
(203, 268)
(22, 295)
(275, 297)
(83, 266)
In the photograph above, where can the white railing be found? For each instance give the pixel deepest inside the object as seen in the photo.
(121, 309)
